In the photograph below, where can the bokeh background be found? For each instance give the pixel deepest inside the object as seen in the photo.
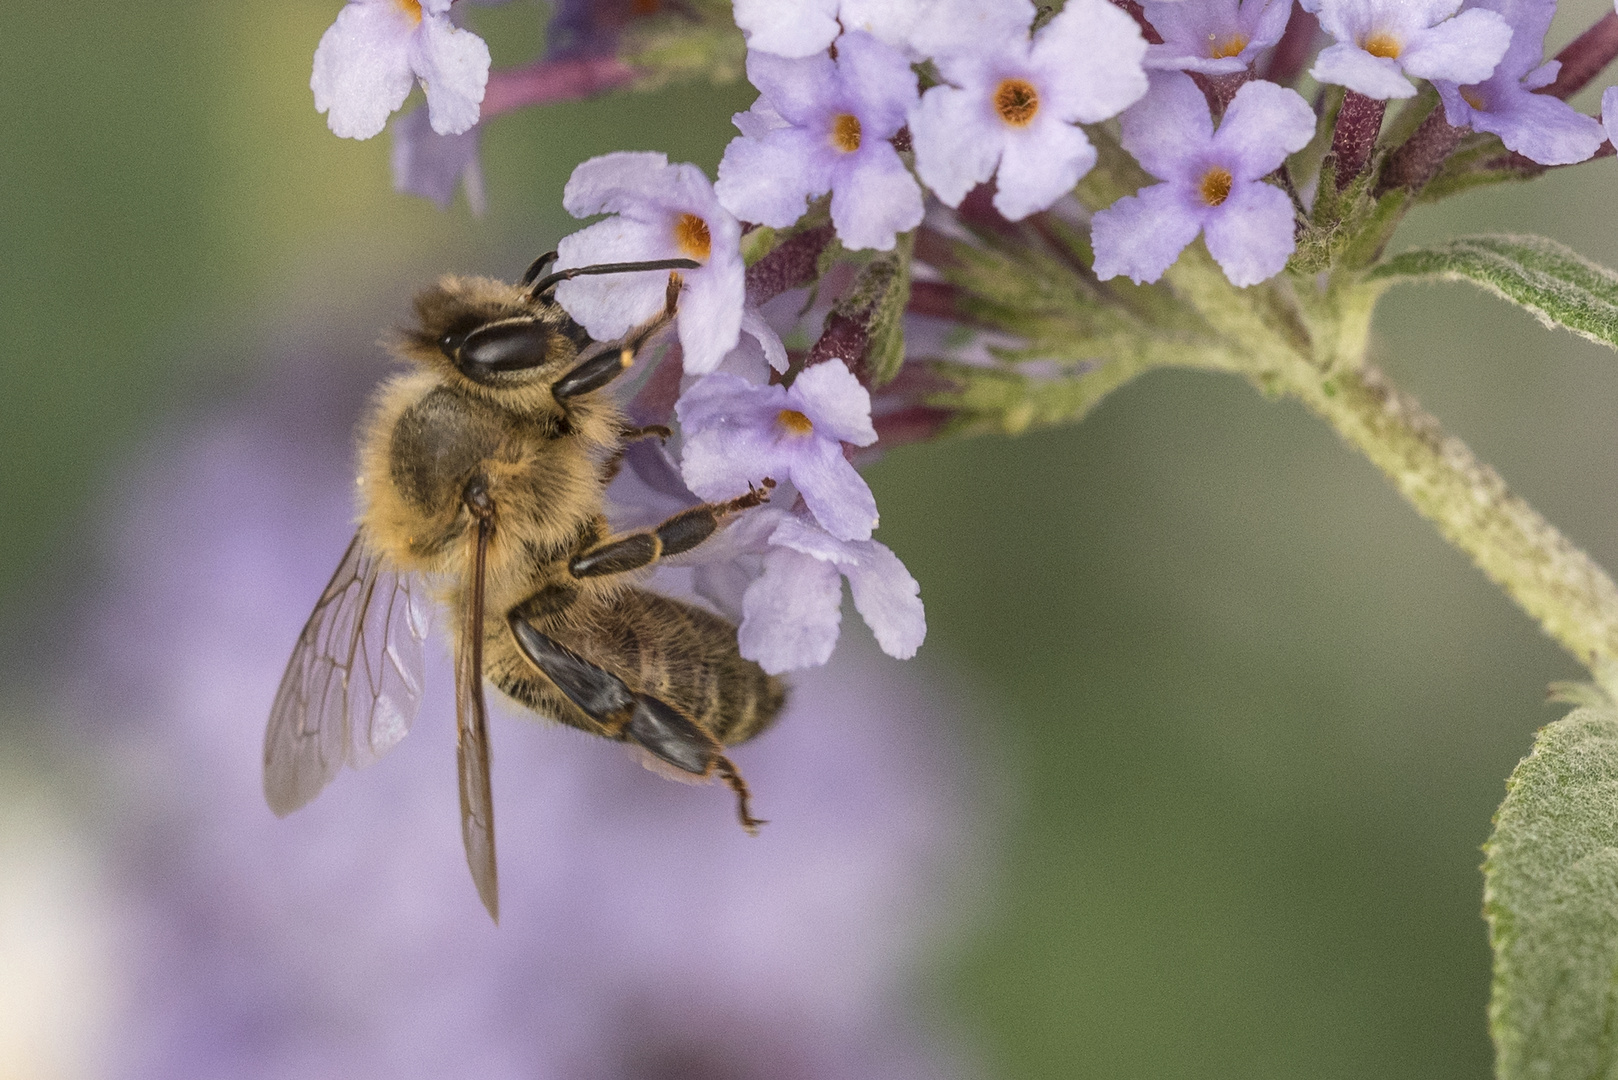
(1222, 721)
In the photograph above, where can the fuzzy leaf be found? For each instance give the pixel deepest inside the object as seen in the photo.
(1561, 287)
(1551, 899)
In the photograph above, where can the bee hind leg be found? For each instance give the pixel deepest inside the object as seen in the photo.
(651, 724)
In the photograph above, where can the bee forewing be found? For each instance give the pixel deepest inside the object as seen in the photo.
(353, 685)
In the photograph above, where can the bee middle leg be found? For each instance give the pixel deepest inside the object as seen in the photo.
(642, 719)
(610, 468)
(682, 532)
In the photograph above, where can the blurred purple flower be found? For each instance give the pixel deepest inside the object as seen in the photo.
(1538, 126)
(659, 211)
(836, 120)
(643, 934)
(370, 58)
(737, 432)
(431, 165)
(1213, 182)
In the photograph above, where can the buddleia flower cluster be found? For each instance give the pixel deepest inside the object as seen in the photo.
(944, 218)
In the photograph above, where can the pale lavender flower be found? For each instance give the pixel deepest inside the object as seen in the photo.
(1538, 126)
(660, 211)
(1609, 113)
(735, 433)
(791, 606)
(643, 934)
(836, 118)
(798, 28)
(1213, 182)
(1215, 37)
(1380, 42)
(431, 165)
(1010, 103)
(369, 59)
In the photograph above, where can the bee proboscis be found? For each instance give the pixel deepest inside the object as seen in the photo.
(482, 471)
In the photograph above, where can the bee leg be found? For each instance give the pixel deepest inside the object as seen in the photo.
(682, 532)
(604, 367)
(640, 718)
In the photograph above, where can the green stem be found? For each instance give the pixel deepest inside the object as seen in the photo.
(1549, 577)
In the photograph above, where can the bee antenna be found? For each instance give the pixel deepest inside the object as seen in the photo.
(551, 280)
(537, 266)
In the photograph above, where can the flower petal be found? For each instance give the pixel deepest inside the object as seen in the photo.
(1141, 235)
(1263, 124)
(1374, 76)
(609, 305)
(957, 143)
(1090, 56)
(1609, 113)
(1250, 234)
(710, 314)
(1169, 129)
(362, 68)
(835, 493)
(1540, 127)
(877, 82)
(431, 165)
(623, 181)
(830, 395)
(788, 27)
(791, 614)
(889, 600)
(1039, 165)
(453, 65)
(873, 198)
(798, 89)
(768, 180)
(964, 26)
(1464, 49)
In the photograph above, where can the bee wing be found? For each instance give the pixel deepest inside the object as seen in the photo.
(472, 736)
(353, 685)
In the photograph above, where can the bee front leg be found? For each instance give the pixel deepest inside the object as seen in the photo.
(682, 532)
(604, 367)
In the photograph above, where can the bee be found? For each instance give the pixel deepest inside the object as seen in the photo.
(482, 473)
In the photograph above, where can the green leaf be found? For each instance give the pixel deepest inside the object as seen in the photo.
(1551, 899)
(1561, 287)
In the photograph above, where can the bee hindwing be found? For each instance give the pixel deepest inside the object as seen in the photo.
(353, 685)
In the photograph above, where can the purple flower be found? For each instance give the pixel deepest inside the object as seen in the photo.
(790, 615)
(1010, 103)
(836, 120)
(369, 59)
(1213, 182)
(431, 165)
(1215, 37)
(736, 433)
(798, 28)
(1538, 126)
(660, 211)
(643, 934)
(1379, 42)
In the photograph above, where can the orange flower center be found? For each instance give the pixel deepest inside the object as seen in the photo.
(1473, 98)
(411, 8)
(1230, 46)
(691, 234)
(1215, 186)
(1384, 45)
(845, 132)
(794, 422)
(645, 7)
(1016, 101)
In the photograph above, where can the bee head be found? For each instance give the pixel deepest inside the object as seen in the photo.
(492, 333)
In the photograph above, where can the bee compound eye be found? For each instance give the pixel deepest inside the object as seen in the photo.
(512, 346)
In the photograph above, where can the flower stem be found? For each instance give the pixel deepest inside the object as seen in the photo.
(1567, 593)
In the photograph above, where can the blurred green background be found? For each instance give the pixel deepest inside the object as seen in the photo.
(1253, 716)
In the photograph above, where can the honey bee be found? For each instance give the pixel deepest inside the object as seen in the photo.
(481, 474)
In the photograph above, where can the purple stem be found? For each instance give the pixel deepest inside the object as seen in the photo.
(553, 80)
(1138, 13)
(1415, 163)
(1584, 57)
(1358, 123)
(1292, 51)
(791, 265)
